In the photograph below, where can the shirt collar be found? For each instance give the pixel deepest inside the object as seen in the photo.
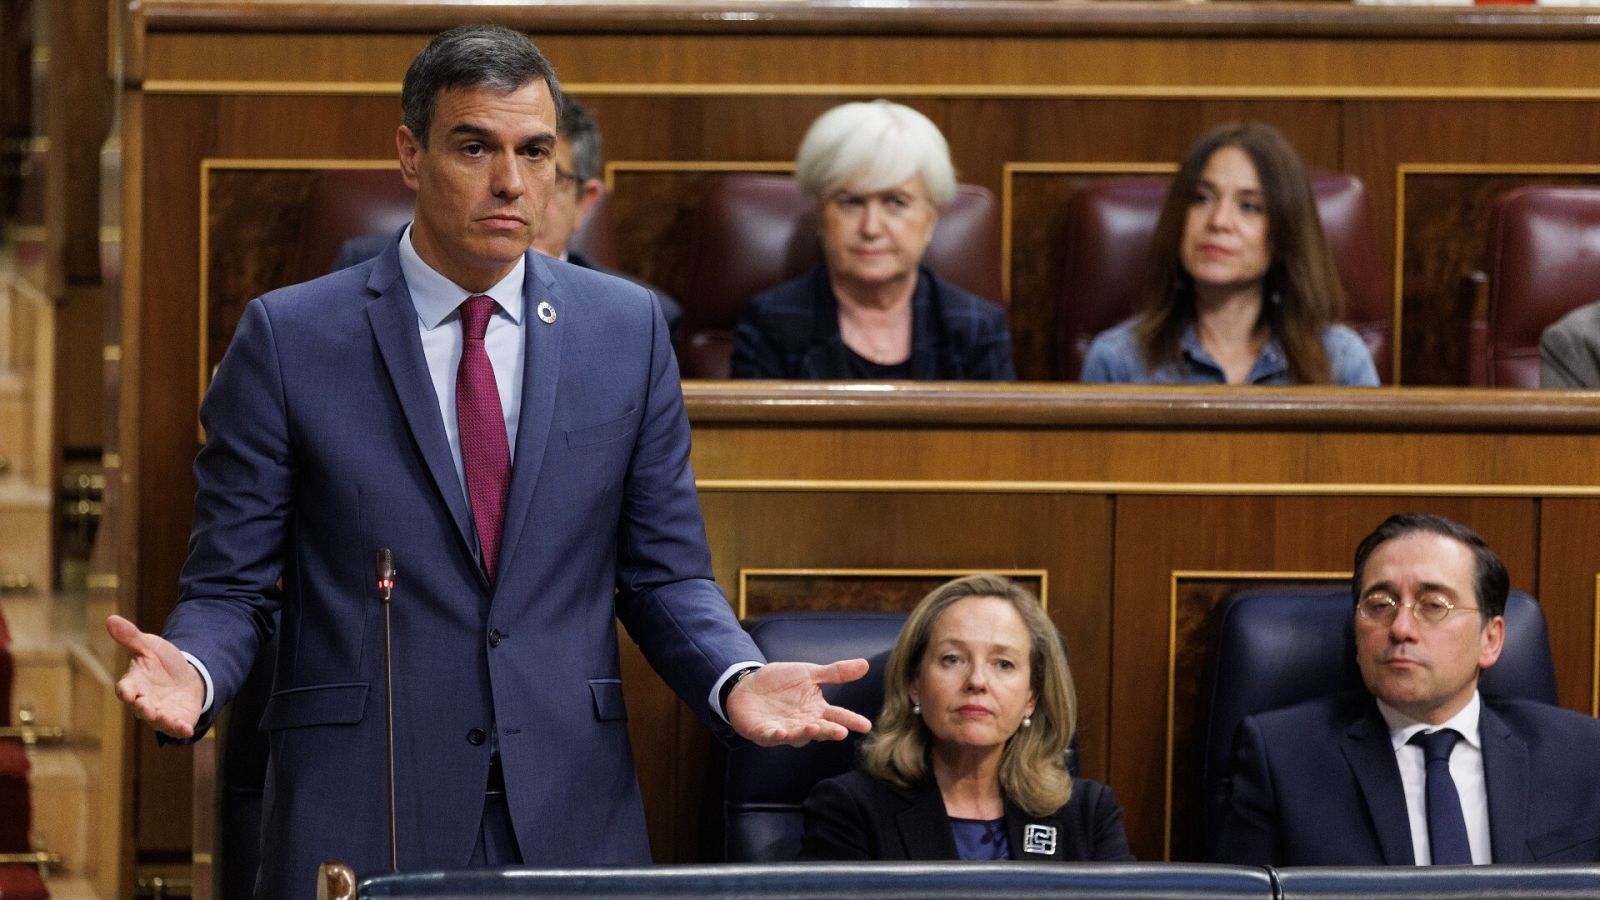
(1402, 726)
(436, 296)
(1271, 363)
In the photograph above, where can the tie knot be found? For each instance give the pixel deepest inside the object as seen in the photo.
(1436, 745)
(475, 313)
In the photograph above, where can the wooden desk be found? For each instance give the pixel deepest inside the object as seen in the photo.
(1143, 508)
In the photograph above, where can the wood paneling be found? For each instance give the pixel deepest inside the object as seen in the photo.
(1106, 490)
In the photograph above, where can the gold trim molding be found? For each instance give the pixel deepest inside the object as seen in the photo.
(745, 572)
(890, 486)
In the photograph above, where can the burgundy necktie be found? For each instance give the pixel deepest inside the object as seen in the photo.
(484, 452)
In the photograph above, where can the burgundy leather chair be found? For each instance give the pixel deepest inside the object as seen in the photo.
(1542, 262)
(344, 204)
(1109, 224)
(753, 232)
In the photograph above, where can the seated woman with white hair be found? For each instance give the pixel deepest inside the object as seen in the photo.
(879, 172)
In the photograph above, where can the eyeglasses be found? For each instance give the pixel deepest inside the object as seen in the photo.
(567, 176)
(1383, 609)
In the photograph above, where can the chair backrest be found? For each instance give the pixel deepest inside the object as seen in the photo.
(753, 232)
(1276, 647)
(1542, 261)
(1106, 246)
(763, 787)
(367, 206)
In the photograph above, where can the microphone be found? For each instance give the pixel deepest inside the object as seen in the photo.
(385, 564)
(385, 574)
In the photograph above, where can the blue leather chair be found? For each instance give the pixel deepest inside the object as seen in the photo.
(828, 881)
(1279, 646)
(763, 787)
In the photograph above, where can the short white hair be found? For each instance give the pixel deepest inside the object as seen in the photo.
(874, 146)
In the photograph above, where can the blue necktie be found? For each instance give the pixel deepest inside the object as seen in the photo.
(1447, 828)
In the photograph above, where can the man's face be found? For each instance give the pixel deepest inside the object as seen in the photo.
(570, 201)
(482, 180)
(1426, 670)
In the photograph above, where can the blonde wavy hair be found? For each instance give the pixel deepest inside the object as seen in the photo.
(1033, 765)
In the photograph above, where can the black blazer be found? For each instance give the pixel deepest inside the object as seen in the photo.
(792, 331)
(856, 816)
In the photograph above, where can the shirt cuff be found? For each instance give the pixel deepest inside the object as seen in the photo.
(206, 677)
(713, 700)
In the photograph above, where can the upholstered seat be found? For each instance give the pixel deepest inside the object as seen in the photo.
(763, 787)
(753, 232)
(1542, 262)
(1106, 244)
(1275, 647)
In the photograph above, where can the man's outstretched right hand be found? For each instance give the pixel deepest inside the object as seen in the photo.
(161, 686)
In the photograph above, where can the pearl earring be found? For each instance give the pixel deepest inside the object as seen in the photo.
(916, 708)
(1027, 721)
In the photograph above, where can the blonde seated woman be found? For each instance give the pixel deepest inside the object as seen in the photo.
(968, 758)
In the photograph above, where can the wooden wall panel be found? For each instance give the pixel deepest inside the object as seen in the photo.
(1066, 536)
(1569, 591)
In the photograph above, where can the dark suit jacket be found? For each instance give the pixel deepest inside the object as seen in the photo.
(792, 331)
(1317, 785)
(1569, 350)
(324, 443)
(856, 816)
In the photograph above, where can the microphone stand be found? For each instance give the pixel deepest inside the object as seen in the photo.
(385, 593)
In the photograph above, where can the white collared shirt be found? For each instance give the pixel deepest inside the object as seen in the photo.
(437, 300)
(1466, 768)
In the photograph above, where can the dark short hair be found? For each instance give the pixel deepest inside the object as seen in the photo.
(471, 56)
(578, 127)
(1491, 583)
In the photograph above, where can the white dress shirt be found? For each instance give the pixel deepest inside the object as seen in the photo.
(1466, 768)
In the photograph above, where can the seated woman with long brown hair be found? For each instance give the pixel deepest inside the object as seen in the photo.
(968, 758)
(1241, 287)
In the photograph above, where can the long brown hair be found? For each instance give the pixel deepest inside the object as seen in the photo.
(1301, 295)
(1033, 769)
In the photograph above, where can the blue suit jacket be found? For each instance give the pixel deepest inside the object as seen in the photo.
(1317, 785)
(324, 443)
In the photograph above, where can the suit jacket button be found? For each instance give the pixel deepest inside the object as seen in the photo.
(494, 638)
(476, 737)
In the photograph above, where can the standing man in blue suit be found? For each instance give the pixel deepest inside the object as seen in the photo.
(512, 429)
(1422, 769)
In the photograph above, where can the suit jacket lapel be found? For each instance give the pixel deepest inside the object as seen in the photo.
(1372, 763)
(924, 827)
(1505, 777)
(541, 370)
(394, 325)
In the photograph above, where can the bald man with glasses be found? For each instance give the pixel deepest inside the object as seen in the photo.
(1418, 769)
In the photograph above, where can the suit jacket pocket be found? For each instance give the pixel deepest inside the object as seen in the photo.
(599, 434)
(321, 704)
(607, 693)
(1573, 842)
